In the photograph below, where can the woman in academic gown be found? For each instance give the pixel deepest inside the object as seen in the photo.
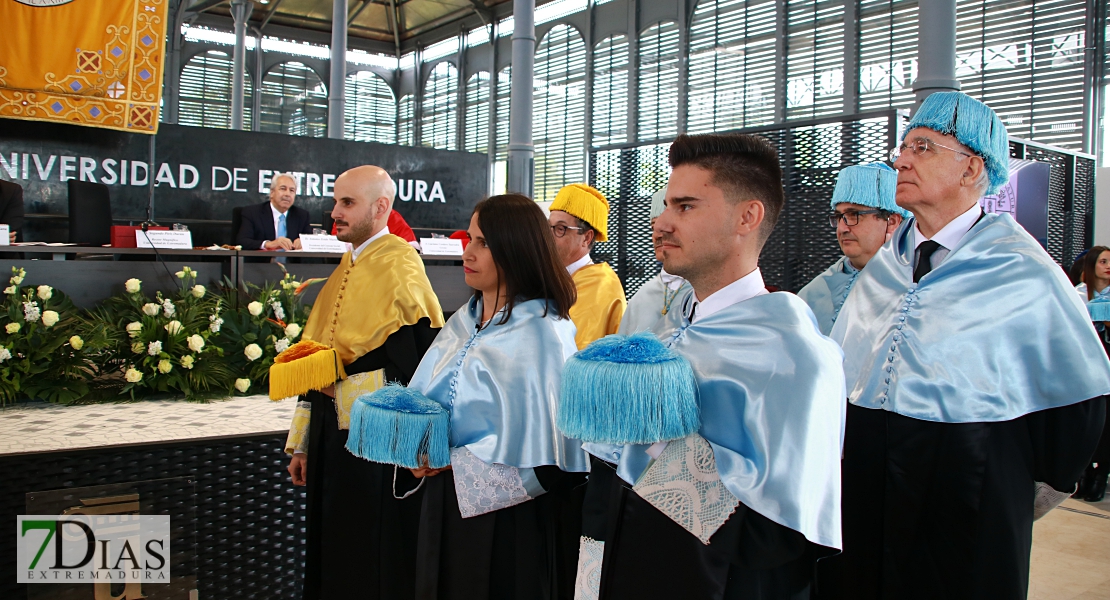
(500, 521)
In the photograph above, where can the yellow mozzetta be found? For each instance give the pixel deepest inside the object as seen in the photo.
(600, 305)
(357, 309)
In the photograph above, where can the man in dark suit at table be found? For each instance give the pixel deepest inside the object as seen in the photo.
(277, 224)
(11, 209)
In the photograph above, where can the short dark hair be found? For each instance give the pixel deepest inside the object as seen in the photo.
(523, 248)
(744, 166)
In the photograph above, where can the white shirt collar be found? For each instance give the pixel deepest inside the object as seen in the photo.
(671, 281)
(745, 288)
(362, 246)
(578, 264)
(950, 235)
(277, 213)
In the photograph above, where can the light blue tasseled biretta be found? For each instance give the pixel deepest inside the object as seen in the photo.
(974, 124)
(872, 184)
(400, 426)
(628, 390)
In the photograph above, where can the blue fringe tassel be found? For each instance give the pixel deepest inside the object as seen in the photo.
(400, 426)
(1099, 309)
(628, 390)
(871, 185)
(974, 124)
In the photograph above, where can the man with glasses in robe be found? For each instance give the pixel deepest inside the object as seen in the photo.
(864, 216)
(975, 380)
(579, 217)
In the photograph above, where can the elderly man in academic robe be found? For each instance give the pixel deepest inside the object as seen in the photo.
(975, 379)
(865, 216)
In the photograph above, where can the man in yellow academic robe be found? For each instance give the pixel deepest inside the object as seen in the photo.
(579, 217)
(371, 324)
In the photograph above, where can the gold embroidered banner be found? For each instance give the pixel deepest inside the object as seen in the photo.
(88, 62)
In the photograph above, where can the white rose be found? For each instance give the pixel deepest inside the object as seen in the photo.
(254, 308)
(154, 348)
(11, 290)
(132, 286)
(281, 345)
(164, 366)
(133, 376)
(292, 330)
(174, 327)
(243, 384)
(4, 354)
(133, 328)
(76, 342)
(151, 309)
(196, 343)
(187, 361)
(49, 318)
(252, 352)
(180, 274)
(12, 328)
(198, 291)
(45, 292)
(138, 347)
(18, 279)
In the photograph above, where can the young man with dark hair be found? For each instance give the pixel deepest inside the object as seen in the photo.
(771, 393)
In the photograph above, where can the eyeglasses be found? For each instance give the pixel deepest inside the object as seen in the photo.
(851, 217)
(560, 230)
(919, 146)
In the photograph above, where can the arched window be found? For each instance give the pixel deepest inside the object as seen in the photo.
(440, 104)
(560, 111)
(477, 112)
(405, 131)
(887, 54)
(205, 96)
(815, 59)
(294, 101)
(658, 87)
(610, 98)
(732, 64)
(370, 111)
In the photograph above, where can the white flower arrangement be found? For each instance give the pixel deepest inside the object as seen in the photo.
(76, 342)
(196, 342)
(281, 345)
(134, 328)
(173, 327)
(5, 354)
(253, 352)
(150, 309)
(31, 312)
(242, 384)
(45, 292)
(154, 348)
(132, 286)
(198, 291)
(50, 318)
(255, 308)
(133, 375)
(12, 328)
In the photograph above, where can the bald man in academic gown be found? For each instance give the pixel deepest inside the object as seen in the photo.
(975, 379)
(371, 324)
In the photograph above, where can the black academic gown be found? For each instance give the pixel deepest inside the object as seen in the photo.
(524, 552)
(361, 540)
(945, 510)
(648, 555)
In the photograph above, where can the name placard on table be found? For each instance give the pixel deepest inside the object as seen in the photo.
(172, 239)
(5, 235)
(441, 246)
(323, 243)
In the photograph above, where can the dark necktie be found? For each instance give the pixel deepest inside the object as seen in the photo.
(925, 259)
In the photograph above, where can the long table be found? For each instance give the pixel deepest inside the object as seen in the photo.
(89, 275)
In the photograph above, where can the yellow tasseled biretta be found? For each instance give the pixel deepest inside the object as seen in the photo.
(586, 203)
(303, 367)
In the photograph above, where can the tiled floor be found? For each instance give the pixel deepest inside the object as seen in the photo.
(44, 427)
(1071, 553)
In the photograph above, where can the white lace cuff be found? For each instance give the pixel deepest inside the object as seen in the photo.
(1045, 498)
(482, 487)
(684, 485)
(587, 584)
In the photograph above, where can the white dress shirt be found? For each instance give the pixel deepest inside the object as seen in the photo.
(672, 282)
(362, 246)
(745, 288)
(578, 264)
(277, 217)
(949, 236)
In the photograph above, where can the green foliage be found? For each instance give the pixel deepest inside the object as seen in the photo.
(164, 344)
(45, 351)
(257, 325)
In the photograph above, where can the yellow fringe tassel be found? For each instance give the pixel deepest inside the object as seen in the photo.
(314, 371)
